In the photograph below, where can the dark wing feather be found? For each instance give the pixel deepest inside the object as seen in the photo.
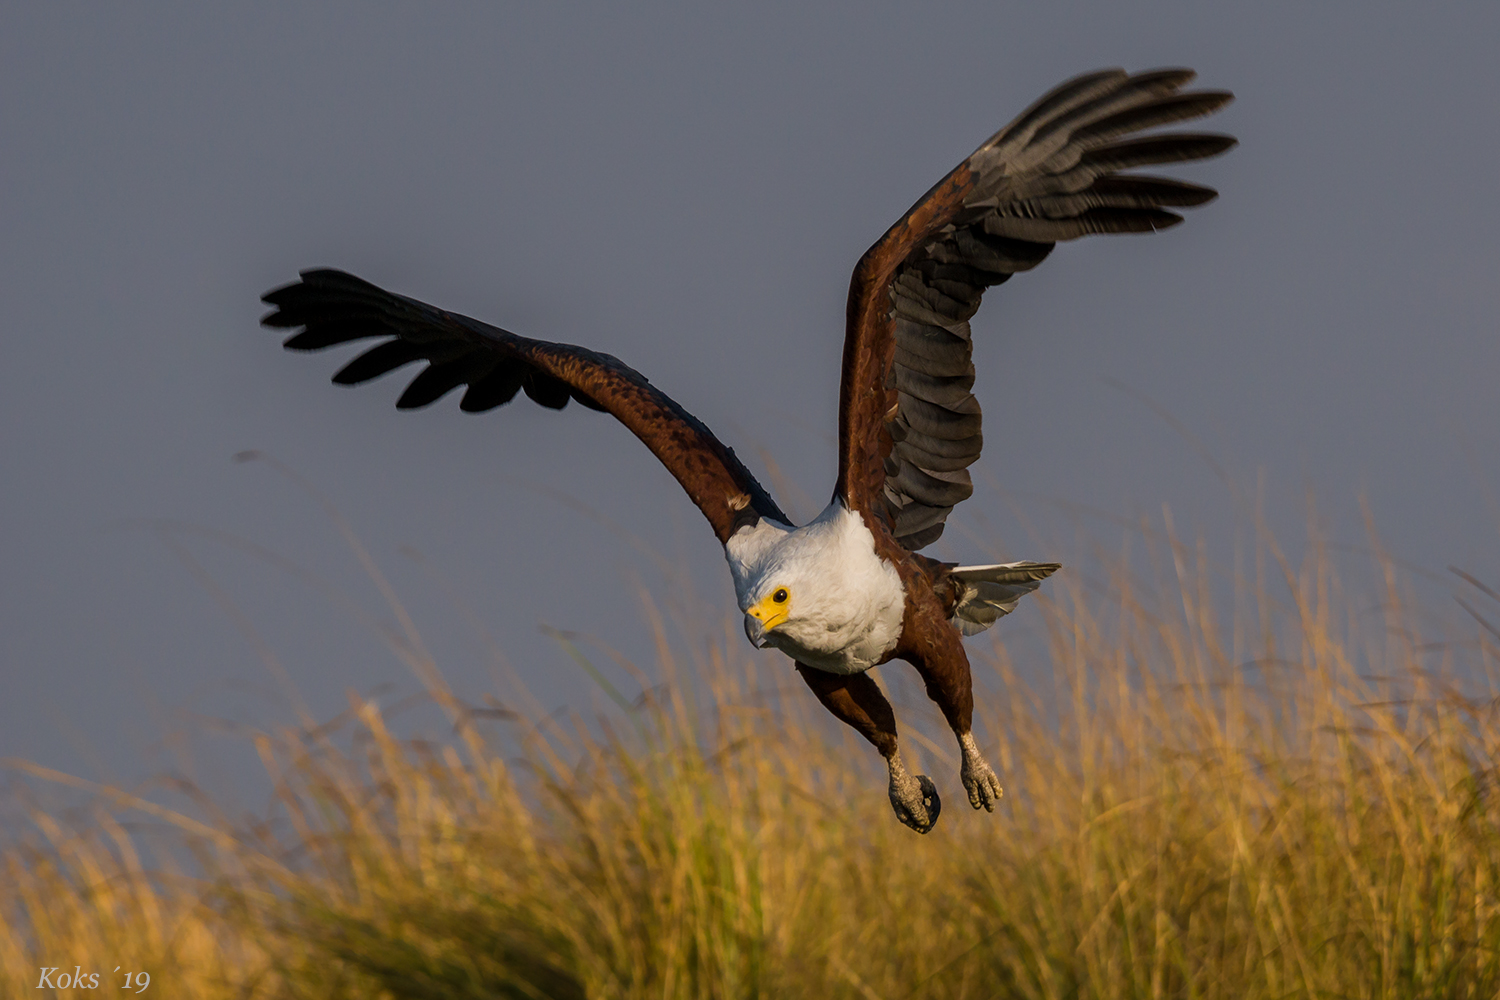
(909, 426)
(332, 308)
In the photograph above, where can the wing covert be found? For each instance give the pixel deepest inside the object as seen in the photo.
(909, 425)
(333, 307)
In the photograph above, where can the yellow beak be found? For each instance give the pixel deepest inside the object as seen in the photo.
(763, 617)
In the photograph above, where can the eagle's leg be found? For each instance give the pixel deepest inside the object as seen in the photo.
(857, 700)
(945, 670)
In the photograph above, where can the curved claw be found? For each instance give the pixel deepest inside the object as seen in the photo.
(978, 777)
(915, 800)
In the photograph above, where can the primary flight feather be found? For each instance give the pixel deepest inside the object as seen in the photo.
(848, 590)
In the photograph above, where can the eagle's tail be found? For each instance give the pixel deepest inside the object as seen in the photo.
(987, 592)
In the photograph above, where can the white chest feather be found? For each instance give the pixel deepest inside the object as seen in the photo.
(844, 603)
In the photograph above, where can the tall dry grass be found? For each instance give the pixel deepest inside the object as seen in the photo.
(1292, 797)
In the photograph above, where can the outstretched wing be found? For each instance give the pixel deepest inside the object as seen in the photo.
(909, 427)
(334, 308)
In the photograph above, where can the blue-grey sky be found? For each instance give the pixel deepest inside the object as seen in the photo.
(686, 187)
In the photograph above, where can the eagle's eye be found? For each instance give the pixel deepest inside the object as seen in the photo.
(780, 597)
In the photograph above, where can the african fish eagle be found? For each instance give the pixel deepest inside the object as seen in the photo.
(848, 590)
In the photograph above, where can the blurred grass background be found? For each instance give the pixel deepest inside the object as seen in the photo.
(1264, 783)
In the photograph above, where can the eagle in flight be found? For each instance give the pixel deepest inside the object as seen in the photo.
(848, 590)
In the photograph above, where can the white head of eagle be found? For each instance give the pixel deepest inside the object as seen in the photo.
(819, 592)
